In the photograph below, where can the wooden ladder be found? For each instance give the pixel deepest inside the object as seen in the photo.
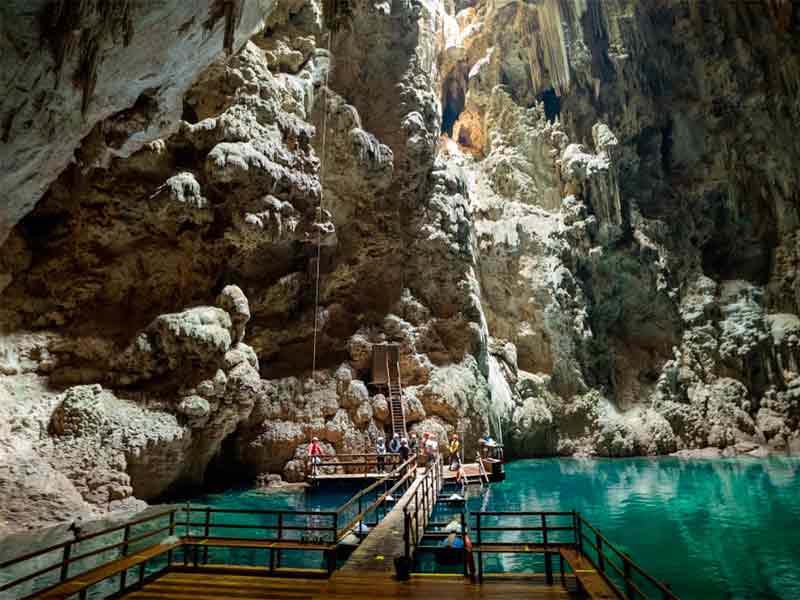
(396, 401)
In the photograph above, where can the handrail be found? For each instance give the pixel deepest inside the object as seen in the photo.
(66, 548)
(332, 461)
(412, 526)
(628, 565)
(611, 572)
(365, 491)
(243, 511)
(283, 524)
(410, 474)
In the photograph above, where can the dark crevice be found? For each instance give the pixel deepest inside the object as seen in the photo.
(454, 93)
(189, 113)
(552, 104)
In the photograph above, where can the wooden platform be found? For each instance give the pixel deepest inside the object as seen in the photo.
(209, 586)
(471, 470)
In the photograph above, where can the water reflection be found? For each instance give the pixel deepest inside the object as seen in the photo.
(725, 528)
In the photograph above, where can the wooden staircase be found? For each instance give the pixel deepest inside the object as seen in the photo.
(398, 415)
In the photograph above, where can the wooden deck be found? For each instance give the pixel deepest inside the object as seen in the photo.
(471, 470)
(209, 586)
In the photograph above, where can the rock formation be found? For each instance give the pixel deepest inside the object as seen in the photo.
(576, 218)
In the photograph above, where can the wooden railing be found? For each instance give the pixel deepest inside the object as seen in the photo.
(537, 533)
(628, 578)
(351, 463)
(194, 529)
(418, 507)
(69, 558)
(405, 473)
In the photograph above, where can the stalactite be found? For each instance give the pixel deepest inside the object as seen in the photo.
(547, 52)
(78, 29)
(233, 12)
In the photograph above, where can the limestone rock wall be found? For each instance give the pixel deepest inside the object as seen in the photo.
(576, 218)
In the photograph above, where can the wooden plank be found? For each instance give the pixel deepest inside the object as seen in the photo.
(520, 548)
(592, 581)
(97, 575)
(203, 586)
(257, 544)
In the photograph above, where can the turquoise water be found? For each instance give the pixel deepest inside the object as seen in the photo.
(712, 529)
(330, 498)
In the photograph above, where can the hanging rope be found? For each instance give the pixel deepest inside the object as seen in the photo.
(321, 210)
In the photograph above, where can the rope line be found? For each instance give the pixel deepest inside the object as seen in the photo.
(320, 211)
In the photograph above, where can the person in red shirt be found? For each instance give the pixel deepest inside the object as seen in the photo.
(315, 453)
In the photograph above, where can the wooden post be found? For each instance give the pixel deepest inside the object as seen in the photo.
(561, 568)
(207, 532)
(335, 527)
(601, 563)
(480, 554)
(406, 533)
(548, 559)
(65, 561)
(125, 537)
(463, 536)
(171, 533)
(330, 560)
(629, 591)
(280, 536)
(575, 527)
(141, 572)
(580, 532)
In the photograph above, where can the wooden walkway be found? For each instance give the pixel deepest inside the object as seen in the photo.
(376, 553)
(370, 572)
(207, 586)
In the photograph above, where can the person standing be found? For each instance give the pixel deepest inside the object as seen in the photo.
(404, 451)
(431, 448)
(455, 446)
(424, 446)
(380, 450)
(394, 444)
(315, 454)
(413, 444)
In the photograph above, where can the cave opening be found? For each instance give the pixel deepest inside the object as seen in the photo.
(225, 470)
(552, 104)
(454, 91)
